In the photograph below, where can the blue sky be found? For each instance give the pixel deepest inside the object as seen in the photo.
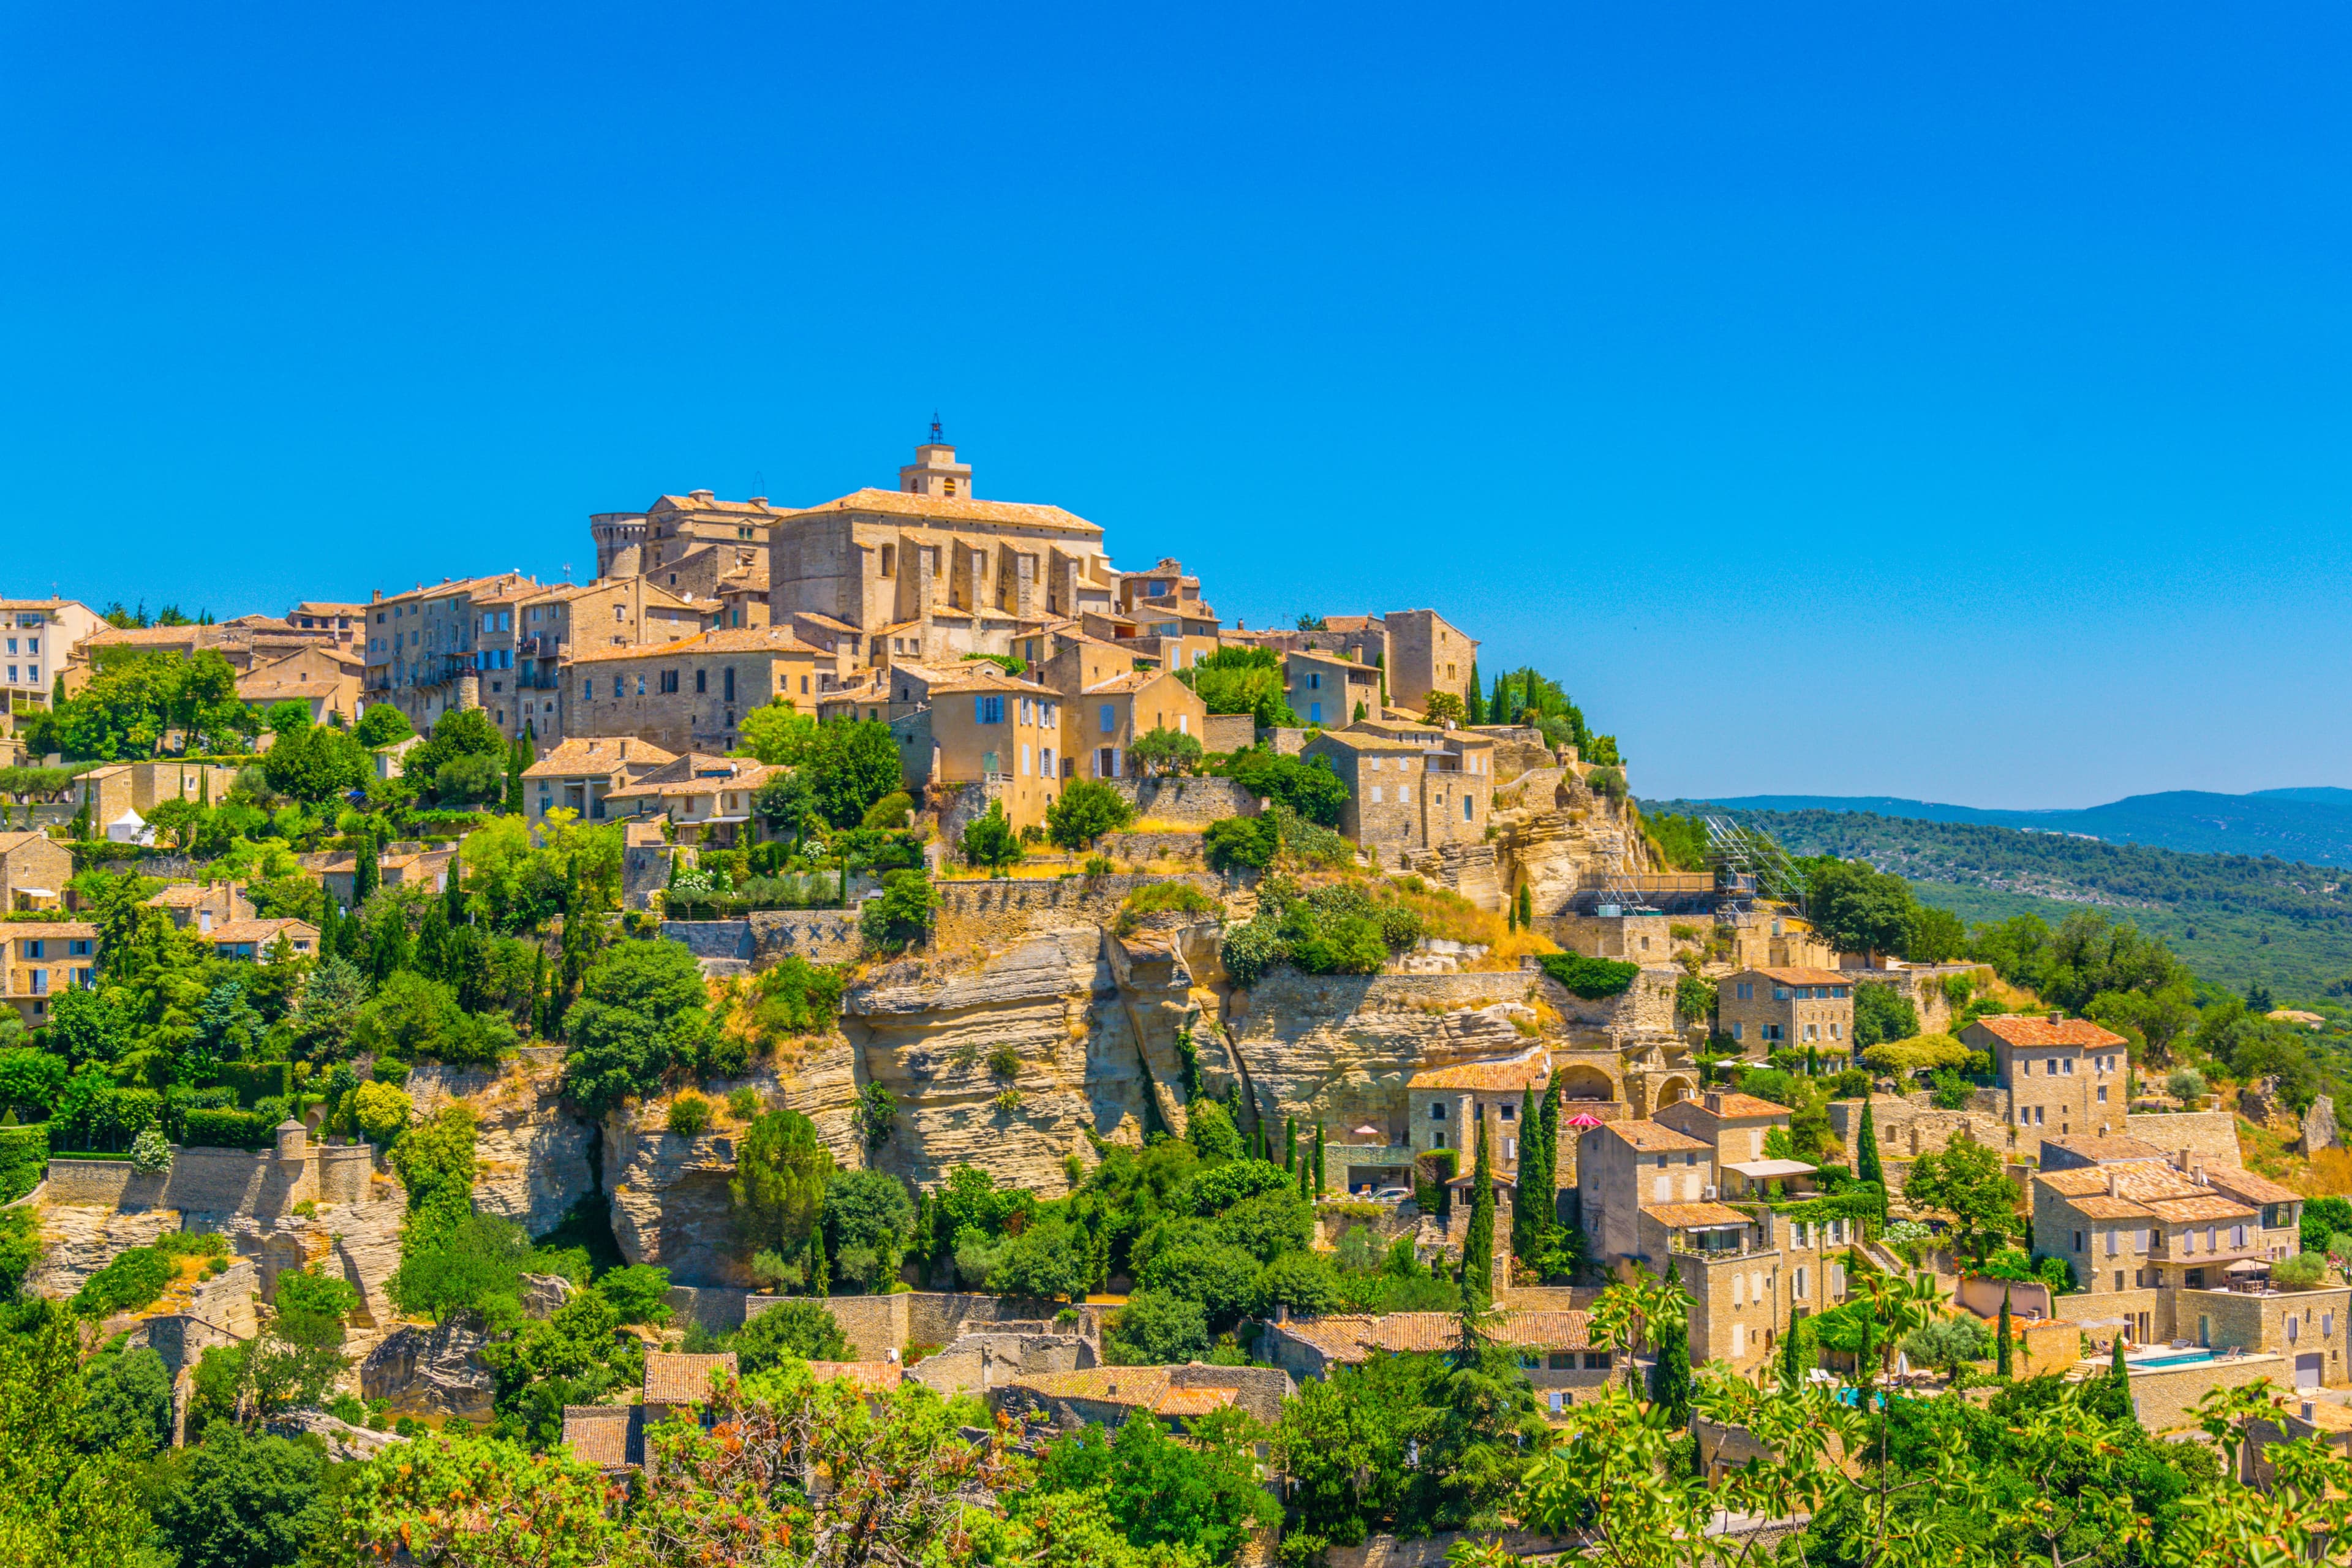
(1935, 401)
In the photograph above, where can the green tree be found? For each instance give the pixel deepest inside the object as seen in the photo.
(1670, 1378)
(902, 914)
(852, 764)
(2003, 1338)
(1086, 810)
(1310, 787)
(781, 1172)
(1966, 1181)
(61, 1506)
(777, 734)
(1164, 751)
(798, 1331)
(381, 724)
(989, 841)
(128, 1401)
(1203, 1493)
(1241, 843)
(1858, 908)
(1478, 1241)
(1881, 1014)
(1157, 1328)
(1209, 1128)
(1049, 1259)
(866, 1218)
(1867, 1165)
(788, 807)
(642, 1009)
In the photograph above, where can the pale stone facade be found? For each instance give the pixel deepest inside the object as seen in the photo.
(34, 871)
(1411, 786)
(2062, 1075)
(690, 694)
(1327, 689)
(37, 640)
(578, 775)
(1767, 1010)
(1002, 733)
(45, 959)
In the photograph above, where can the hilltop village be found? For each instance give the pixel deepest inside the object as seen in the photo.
(883, 951)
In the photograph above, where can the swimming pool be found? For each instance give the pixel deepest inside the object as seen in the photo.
(2175, 1357)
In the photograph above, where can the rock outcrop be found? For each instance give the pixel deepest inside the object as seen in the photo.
(532, 1146)
(429, 1372)
(344, 1441)
(2319, 1126)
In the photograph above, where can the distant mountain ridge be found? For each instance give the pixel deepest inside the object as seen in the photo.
(2312, 823)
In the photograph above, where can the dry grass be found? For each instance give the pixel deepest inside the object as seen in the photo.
(2329, 1174)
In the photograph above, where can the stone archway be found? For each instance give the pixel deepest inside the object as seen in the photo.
(1582, 1082)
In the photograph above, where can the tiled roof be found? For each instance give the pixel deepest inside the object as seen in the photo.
(952, 510)
(2036, 1029)
(713, 503)
(1191, 1401)
(2101, 1206)
(1348, 1336)
(329, 608)
(182, 896)
(602, 755)
(726, 639)
(1653, 1137)
(827, 622)
(1530, 1071)
(871, 1376)
(1143, 1386)
(2189, 1211)
(2104, 1151)
(1133, 680)
(983, 675)
(1690, 1216)
(11, 931)
(2241, 1184)
(1804, 976)
(259, 932)
(11, 842)
(2143, 1180)
(606, 1434)
(1365, 740)
(1736, 1105)
(682, 1379)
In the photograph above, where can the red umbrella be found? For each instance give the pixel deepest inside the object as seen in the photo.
(1585, 1119)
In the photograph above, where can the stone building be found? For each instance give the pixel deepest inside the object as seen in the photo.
(1446, 1105)
(524, 634)
(1554, 1348)
(347, 622)
(34, 871)
(1410, 786)
(578, 775)
(193, 904)
(1427, 653)
(1000, 732)
(109, 792)
(931, 570)
(326, 679)
(259, 941)
(37, 638)
(1326, 688)
(690, 694)
(2061, 1074)
(1623, 1166)
(421, 644)
(712, 795)
(1109, 1395)
(1767, 1010)
(1735, 1126)
(1101, 721)
(45, 959)
(691, 544)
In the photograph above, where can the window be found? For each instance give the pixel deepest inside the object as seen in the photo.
(727, 678)
(1045, 763)
(669, 681)
(1596, 1360)
(988, 709)
(1437, 1111)
(1376, 794)
(1747, 991)
(1467, 809)
(2078, 1241)
(1109, 719)
(620, 613)
(1313, 680)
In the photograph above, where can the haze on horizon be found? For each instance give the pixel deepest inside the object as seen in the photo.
(1933, 405)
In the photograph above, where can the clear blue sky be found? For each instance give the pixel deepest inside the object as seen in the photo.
(1941, 401)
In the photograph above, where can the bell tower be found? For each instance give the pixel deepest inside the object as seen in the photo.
(935, 471)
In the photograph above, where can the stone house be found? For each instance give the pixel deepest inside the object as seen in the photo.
(44, 959)
(580, 774)
(888, 691)
(696, 790)
(932, 572)
(1767, 1010)
(253, 939)
(1446, 1105)
(34, 872)
(138, 787)
(688, 544)
(1101, 721)
(37, 640)
(326, 679)
(1164, 615)
(401, 863)
(1623, 1166)
(613, 1436)
(1003, 734)
(346, 622)
(1108, 1395)
(689, 694)
(524, 634)
(1325, 688)
(1410, 786)
(192, 904)
(1554, 1350)
(1427, 653)
(420, 645)
(1735, 1125)
(2059, 1072)
(1747, 1269)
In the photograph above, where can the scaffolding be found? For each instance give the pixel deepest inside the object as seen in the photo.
(1621, 890)
(1750, 865)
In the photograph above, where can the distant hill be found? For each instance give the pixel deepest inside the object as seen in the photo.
(2312, 825)
(2234, 918)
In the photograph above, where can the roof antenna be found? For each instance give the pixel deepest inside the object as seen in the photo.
(935, 428)
(567, 571)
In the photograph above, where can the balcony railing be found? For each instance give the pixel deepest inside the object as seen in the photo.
(1690, 1243)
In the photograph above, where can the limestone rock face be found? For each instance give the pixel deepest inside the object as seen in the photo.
(667, 1193)
(2264, 1103)
(532, 1148)
(1559, 835)
(543, 1295)
(78, 1240)
(344, 1440)
(2319, 1126)
(429, 1372)
(1051, 1007)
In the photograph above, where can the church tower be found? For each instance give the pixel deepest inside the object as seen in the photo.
(935, 471)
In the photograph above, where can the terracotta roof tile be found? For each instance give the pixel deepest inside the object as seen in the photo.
(1652, 1137)
(728, 639)
(261, 931)
(2036, 1029)
(1530, 1071)
(2106, 1151)
(2098, 1205)
(951, 509)
(1350, 1336)
(1735, 1105)
(598, 755)
(610, 1436)
(1191, 1401)
(1804, 976)
(11, 842)
(12, 930)
(2189, 1210)
(682, 1379)
(871, 1376)
(2241, 1184)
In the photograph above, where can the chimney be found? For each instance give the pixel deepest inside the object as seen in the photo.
(2056, 1018)
(2115, 1182)
(1715, 1102)
(705, 496)
(2307, 1410)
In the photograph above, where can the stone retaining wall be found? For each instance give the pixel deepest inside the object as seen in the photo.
(874, 1324)
(1140, 848)
(711, 939)
(1190, 801)
(819, 936)
(201, 1181)
(998, 912)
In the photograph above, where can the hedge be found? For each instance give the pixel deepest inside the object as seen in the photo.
(24, 1156)
(256, 1081)
(1591, 978)
(228, 1129)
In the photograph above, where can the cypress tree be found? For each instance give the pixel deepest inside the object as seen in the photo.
(366, 875)
(1475, 710)
(2001, 1348)
(1670, 1374)
(518, 759)
(1527, 1222)
(1527, 907)
(1866, 1166)
(1793, 1361)
(329, 939)
(1478, 1245)
(1306, 1175)
(1290, 1144)
(1318, 1157)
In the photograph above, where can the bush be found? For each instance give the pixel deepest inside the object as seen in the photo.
(30, 1081)
(1310, 789)
(1088, 809)
(2186, 1085)
(475, 1269)
(989, 841)
(795, 1329)
(380, 1111)
(1165, 751)
(1882, 1014)
(228, 1129)
(1591, 978)
(132, 1281)
(2304, 1271)
(1162, 897)
(893, 811)
(1240, 843)
(1917, 1053)
(689, 1115)
(151, 1155)
(636, 1294)
(1156, 1330)
(24, 1161)
(902, 914)
(743, 1103)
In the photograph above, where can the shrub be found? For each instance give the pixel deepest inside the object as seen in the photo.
(1241, 843)
(151, 1154)
(743, 1103)
(1919, 1053)
(801, 1330)
(1609, 781)
(1161, 898)
(1882, 1014)
(24, 1161)
(228, 1129)
(1005, 1061)
(689, 1115)
(133, 1279)
(2186, 1085)
(1155, 1329)
(1591, 978)
(381, 1112)
(1165, 751)
(1088, 809)
(2304, 1271)
(902, 914)
(635, 1293)
(990, 842)
(893, 811)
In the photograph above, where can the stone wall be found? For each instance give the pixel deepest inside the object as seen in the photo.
(1142, 849)
(874, 1324)
(644, 865)
(711, 939)
(819, 936)
(1188, 802)
(2162, 1398)
(977, 1361)
(2211, 1136)
(996, 912)
(201, 1181)
(1228, 731)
